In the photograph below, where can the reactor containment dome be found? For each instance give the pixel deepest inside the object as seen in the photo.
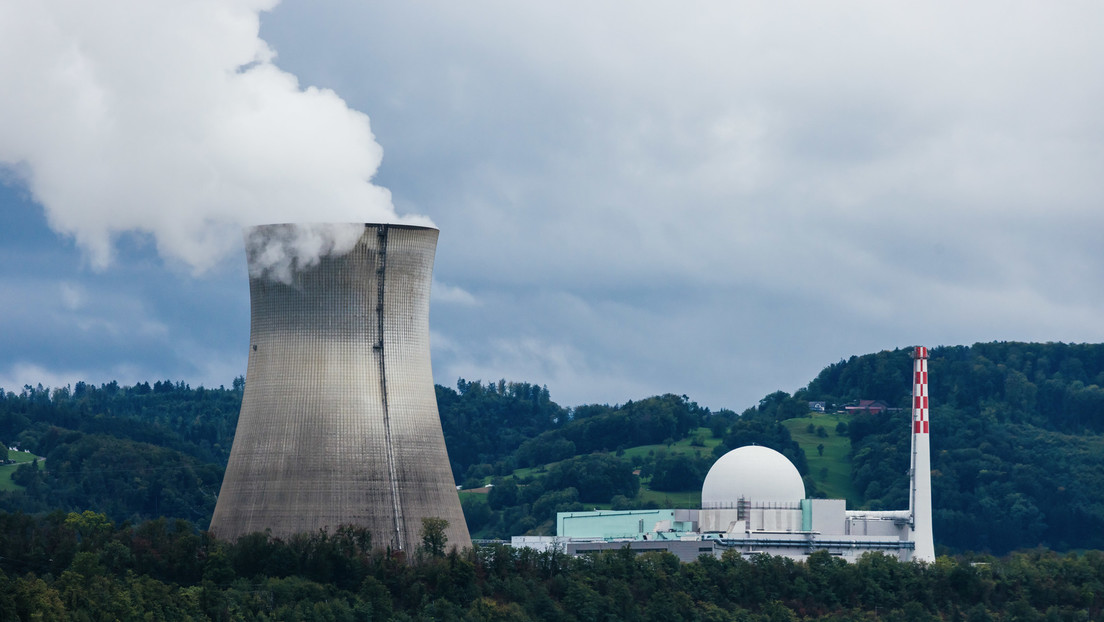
(751, 472)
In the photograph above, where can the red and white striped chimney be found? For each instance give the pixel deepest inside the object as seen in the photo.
(920, 504)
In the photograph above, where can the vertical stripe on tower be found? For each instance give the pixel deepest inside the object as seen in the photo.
(920, 391)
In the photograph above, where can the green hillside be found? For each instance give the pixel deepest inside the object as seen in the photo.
(7, 470)
(829, 467)
(84, 567)
(1016, 432)
(536, 501)
(1017, 438)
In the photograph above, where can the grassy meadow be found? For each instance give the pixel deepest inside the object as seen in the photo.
(6, 470)
(832, 470)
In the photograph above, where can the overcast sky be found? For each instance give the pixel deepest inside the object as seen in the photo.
(714, 199)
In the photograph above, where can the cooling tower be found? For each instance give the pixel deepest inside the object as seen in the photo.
(339, 421)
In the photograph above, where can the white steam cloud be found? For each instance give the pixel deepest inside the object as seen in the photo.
(277, 252)
(170, 119)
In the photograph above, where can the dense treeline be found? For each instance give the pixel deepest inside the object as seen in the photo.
(496, 428)
(578, 461)
(592, 428)
(144, 451)
(485, 424)
(1055, 386)
(120, 477)
(83, 567)
(1017, 445)
(199, 422)
(131, 452)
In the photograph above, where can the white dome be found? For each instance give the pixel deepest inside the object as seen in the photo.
(754, 473)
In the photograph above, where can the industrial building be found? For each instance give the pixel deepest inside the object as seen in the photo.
(339, 422)
(753, 501)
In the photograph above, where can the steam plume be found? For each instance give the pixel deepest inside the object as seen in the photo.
(170, 119)
(278, 252)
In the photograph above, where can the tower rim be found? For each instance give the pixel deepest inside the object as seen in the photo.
(367, 225)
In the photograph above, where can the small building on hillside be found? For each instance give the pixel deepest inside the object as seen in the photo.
(870, 407)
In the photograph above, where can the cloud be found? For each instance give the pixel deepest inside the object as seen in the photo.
(278, 251)
(170, 120)
(211, 372)
(131, 324)
(73, 296)
(799, 182)
(450, 294)
(715, 199)
(18, 375)
(560, 366)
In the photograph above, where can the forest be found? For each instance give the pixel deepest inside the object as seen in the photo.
(1019, 434)
(1018, 465)
(84, 567)
(1017, 448)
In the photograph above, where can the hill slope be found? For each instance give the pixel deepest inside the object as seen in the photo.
(1016, 441)
(1018, 446)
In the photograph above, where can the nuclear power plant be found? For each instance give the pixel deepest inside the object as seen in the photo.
(339, 422)
(753, 501)
(339, 426)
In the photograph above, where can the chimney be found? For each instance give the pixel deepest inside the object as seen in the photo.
(920, 502)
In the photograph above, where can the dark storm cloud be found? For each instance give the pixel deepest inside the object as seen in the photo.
(813, 182)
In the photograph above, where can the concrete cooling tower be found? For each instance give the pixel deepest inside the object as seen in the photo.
(339, 421)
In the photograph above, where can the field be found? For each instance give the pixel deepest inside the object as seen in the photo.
(700, 442)
(831, 471)
(6, 470)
